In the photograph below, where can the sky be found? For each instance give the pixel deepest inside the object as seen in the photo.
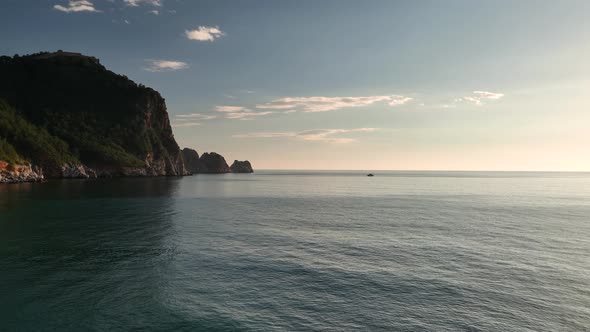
(341, 84)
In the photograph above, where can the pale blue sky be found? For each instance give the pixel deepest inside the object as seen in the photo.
(337, 84)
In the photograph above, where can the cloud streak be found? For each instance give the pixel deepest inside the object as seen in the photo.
(204, 33)
(325, 104)
(186, 124)
(191, 119)
(247, 115)
(195, 116)
(479, 97)
(239, 112)
(317, 135)
(165, 65)
(231, 109)
(137, 3)
(77, 6)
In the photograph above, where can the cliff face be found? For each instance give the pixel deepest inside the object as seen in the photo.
(241, 167)
(97, 123)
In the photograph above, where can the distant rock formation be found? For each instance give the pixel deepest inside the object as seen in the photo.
(191, 161)
(241, 167)
(213, 163)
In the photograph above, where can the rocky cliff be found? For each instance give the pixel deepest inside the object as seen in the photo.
(213, 163)
(191, 161)
(241, 167)
(83, 120)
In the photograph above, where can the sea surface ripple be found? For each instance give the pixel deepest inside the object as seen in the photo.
(298, 251)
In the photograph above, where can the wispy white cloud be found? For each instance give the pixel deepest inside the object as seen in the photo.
(186, 124)
(154, 12)
(398, 100)
(136, 3)
(278, 104)
(318, 135)
(77, 6)
(191, 119)
(240, 112)
(246, 115)
(231, 109)
(204, 33)
(195, 116)
(327, 135)
(165, 65)
(479, 97)
(325, 104)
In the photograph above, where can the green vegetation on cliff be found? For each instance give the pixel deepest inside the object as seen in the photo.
(34, 144)
(8, 153)
(66, 107)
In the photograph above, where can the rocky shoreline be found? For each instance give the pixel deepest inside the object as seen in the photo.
(13, 173)
(209, 163)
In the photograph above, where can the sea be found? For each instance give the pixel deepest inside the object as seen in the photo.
(298, 251)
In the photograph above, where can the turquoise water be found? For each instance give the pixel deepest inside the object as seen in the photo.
(298, 251)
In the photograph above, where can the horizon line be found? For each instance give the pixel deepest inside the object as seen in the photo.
(420, 170)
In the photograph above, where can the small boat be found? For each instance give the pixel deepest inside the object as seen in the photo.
(370, 174)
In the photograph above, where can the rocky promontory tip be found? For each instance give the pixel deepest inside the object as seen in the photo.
(214, 163)
(241, 167)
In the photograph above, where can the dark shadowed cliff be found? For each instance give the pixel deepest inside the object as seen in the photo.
(241, 167)
(70, 116)
(191, 161)
(213, 163)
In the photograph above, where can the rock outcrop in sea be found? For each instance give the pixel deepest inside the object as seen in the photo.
(241, 167)
(213, 163)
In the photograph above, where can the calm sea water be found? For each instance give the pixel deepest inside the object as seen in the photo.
(298, 251)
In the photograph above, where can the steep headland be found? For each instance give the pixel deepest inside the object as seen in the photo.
(64, 115)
